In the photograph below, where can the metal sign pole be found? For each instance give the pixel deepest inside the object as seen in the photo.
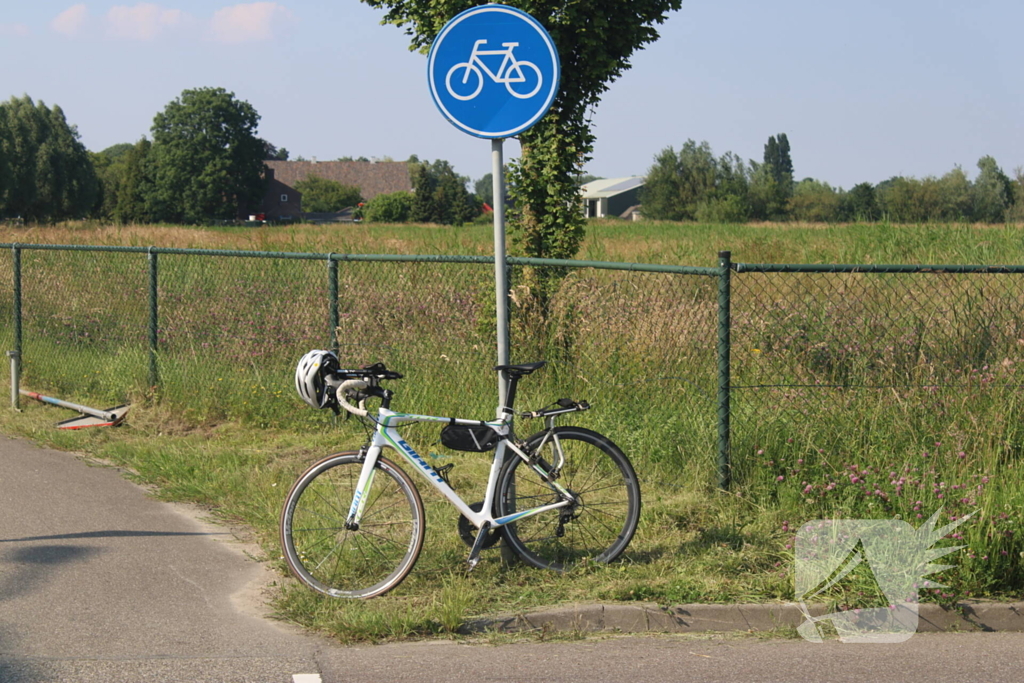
(500, 267)
(494, 105)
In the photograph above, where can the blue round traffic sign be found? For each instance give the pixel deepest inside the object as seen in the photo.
(493, 71)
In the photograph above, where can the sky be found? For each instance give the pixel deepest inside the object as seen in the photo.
(863, 90)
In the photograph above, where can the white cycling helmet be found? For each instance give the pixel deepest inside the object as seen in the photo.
(309, 377)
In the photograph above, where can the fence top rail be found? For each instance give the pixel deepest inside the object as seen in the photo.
(870, 268)
(536, 262)
(393, 258)
(639, 267)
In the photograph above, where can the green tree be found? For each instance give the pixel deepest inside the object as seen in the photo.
(48, 173)
(109, 166)
(779, 163)
(901, 200)
(595, 41)
(992, 192)
(207, 160)
(727, 209)
(272, 152)
(860, 203)
(662, 193)
(135, 186)
(389, 208)
(440, 195)
(814, 201)
(484, 189)
(1016, 211)
(681, 183)
(6, 157)
(320, 195)
(949, 198)
(766, 201)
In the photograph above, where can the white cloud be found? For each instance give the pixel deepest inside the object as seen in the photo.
(70, 21)
(14, 30)
(250, 22)
(144, 21)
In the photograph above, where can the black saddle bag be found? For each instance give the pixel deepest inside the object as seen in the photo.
(466, 438)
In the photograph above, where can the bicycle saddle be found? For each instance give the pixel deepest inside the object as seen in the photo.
(521, 370)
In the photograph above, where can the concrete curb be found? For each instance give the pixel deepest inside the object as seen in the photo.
(651, 618)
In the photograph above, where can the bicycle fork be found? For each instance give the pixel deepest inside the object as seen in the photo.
(355, 512)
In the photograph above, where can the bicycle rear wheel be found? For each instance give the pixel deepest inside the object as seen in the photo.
(598, 528)
(344, 563)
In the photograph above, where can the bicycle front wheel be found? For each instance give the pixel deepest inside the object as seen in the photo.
(598, 527)
(346, 563)
(468, 83)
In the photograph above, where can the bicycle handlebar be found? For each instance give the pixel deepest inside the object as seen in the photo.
(351, 385)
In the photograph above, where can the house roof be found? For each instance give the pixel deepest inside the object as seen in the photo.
(371, 177)
(609, 187)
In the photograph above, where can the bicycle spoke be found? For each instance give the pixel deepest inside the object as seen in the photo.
(328, 556)
(328, 503)
(352, 563)
(598, 525)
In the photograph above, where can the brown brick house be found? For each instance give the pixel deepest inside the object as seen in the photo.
(371, 177)
(281, 201)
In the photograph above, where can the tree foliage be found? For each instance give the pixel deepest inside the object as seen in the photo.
(321, 195)
(207, 160)
(46, 174)
(389, 208)
(860, 203)
(692, 184)
(272, 152)
(484, 189)
(814, 201)
(992, 192)
(775, 192)
(1016, 211)
(136, 185)
(930, 199)
(595, 41)
(440, 195)
(680, 185)
(776, 155)
(109, 166)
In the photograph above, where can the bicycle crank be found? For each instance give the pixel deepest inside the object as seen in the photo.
(468, 532)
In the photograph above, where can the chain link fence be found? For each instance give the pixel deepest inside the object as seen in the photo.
(680, 363)
(215, 335)
(837, 361)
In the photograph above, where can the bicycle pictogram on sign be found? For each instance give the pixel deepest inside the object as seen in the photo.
(493, 71)
(522, 78)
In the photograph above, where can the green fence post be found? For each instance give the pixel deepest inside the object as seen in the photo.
(332, 292)
(154, 338)
(15, 355)
(724, 379)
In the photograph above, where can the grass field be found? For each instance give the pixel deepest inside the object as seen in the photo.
(856, 396)
(640, 242)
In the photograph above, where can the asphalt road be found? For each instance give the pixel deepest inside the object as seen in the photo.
(99, 582)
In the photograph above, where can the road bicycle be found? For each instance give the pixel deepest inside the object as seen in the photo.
(510, 72)
(353, 523)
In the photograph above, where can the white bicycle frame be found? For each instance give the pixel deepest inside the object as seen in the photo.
(386, 435)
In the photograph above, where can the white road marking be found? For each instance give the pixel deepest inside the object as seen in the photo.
(306, 678)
